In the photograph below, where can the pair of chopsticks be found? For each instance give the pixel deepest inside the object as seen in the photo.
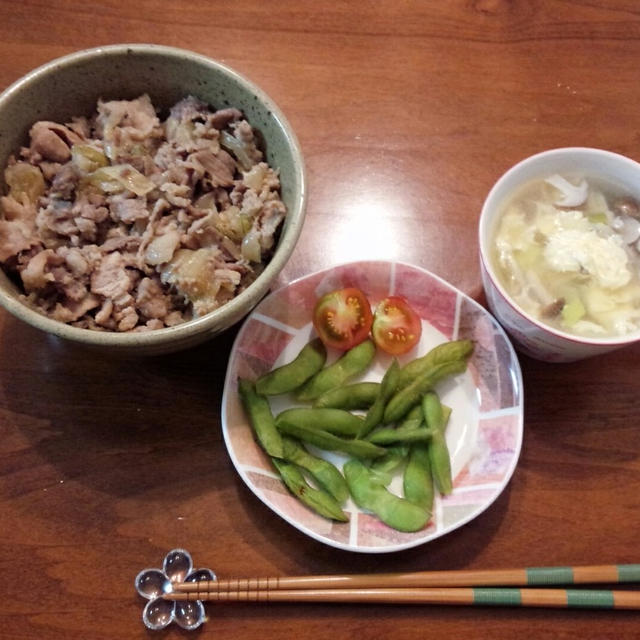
(504, 587)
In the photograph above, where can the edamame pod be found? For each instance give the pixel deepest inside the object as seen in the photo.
(352, 363)
(318, 500)
(445, 352)
(326, 474)
(335, 421)
(414, 419)
(369, 493)
(330, 442)
(417, 481)
(432, 411)
(446, 414)
(391, 460)
(387, 389)
(261, 418)
(435, 413)
(436, 417)
(389, 435)
(405, 399)
(440, 463)
(294, 374)
(359, 395)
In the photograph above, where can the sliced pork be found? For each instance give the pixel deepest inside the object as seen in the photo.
(122, 221)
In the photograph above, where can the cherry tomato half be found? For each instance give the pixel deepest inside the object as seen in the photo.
(396, 326)
(343, 318)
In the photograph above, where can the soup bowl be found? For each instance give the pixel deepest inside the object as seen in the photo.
(530, 334)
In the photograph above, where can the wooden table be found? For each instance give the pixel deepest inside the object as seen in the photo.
(407, 113)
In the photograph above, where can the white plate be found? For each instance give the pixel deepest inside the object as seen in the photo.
(484, 433)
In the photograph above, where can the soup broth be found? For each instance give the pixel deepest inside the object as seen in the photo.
(567, 251)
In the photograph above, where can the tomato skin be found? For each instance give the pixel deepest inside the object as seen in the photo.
(343, 318)
(396, 326)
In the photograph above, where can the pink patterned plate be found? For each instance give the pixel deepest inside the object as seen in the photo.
(484, 432)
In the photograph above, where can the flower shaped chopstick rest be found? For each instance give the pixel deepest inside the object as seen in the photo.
(151, 584)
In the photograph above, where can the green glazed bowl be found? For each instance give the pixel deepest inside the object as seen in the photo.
(71, 86)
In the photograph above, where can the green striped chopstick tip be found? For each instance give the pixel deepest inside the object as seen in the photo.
(571, 598)
(590, 599)
(628, 572)
(497, 596)
(549, 575)
(622, 573)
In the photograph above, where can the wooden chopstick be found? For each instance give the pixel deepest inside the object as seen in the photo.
(532, 576)
(461, 587)
(556, 598)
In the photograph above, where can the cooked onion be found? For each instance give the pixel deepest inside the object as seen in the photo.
(161, 248)
(119, 177)
(251, 246)
(24, 181)
(231, 143)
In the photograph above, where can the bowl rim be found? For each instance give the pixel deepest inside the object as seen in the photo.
(252, 294)
(487, 217)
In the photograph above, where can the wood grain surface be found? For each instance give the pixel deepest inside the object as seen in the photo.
(407, 112)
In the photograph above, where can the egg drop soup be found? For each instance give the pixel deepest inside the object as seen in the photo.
(567, 251)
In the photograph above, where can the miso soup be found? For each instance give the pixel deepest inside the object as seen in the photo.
(567, 251)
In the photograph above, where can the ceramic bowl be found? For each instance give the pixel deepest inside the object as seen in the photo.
(71, 86)
(530, 336)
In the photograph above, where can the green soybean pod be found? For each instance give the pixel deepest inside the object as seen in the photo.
(414, 419)
(369, 493)
(405, 399)
(417, 481)
(352, 363)
(326, 474)
(436, 416)
(390, 461)
(359, 395)
(389, 435)
(446, 414)
(337, 421)
(330, 442)
(381, 477)
(440, 463)
(445, 352)
(320, 501)
(435, 413)
(261, 419)
(387, 389)
(294, 374)
(432, 410)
